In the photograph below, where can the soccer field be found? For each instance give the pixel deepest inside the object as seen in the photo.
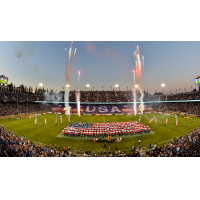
(46, 135)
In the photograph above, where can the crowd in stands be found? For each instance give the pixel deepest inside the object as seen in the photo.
(7, 96)
(187, 107)
(13, 146)
(100, 96)
(9, 102)
(15, 109)
(188, 146)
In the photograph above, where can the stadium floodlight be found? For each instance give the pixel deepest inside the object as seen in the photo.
(136, 86)
(67, 85)
(41, 84)
(116, 85)
(87, 85)
(163, 85)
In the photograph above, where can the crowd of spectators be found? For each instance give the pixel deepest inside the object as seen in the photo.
(7, 96)
(186, 107)
(13, 146)
(15, 109)
(101, 96)
(188, 146)
(9, 100)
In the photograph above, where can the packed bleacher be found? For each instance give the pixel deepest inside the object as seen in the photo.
(7, 109)
(99, 96)
(7, 96)
(10, 99)
(13, 146)
(186, 107)
(188, 146)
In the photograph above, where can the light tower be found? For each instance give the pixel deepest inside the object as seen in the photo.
(163, 85)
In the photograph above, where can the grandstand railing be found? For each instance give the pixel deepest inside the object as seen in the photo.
(175, 101)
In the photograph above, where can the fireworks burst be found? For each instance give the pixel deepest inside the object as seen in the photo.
(69, 66)
(139, 64)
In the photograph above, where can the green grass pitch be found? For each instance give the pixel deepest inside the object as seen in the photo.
(46, 135)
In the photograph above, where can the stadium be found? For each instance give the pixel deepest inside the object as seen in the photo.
(116, 101)
(92, 122)
(106, 127)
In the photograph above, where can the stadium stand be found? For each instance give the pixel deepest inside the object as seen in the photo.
(14, 109)
(188, 146)
(9, 99)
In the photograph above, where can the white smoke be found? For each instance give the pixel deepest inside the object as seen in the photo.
(54, 97)
(134, 100)
(142, 103)
(78, 102)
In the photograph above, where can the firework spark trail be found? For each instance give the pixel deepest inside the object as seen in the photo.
(68, 73)
(138, 65)
(78, 95)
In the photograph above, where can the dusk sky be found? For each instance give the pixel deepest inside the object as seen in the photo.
(102, 64)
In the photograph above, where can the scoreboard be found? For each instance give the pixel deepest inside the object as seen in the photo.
(3, 80)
